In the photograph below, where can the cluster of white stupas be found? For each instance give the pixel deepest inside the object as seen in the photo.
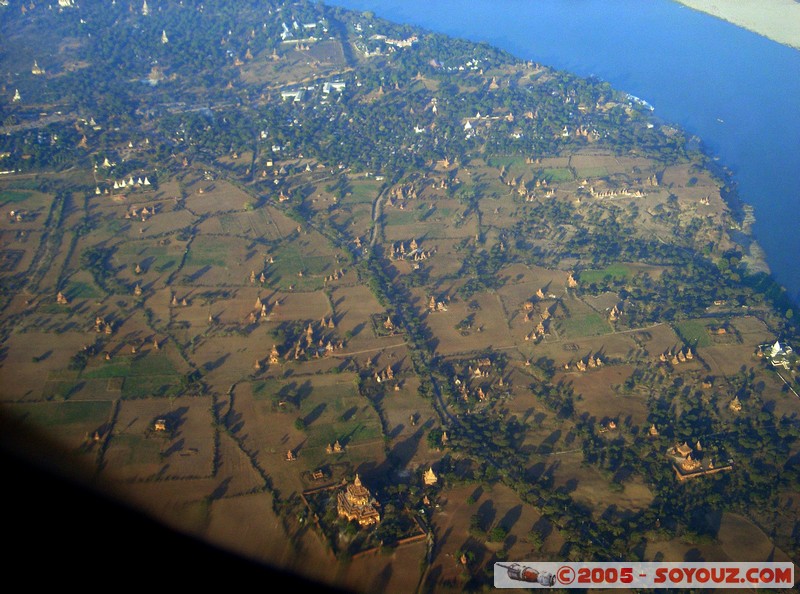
(131, 183)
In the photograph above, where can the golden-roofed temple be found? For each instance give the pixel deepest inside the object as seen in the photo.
(356, 503)
(690, 462)
(430, 478)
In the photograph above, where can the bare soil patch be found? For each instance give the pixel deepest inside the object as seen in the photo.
(588, 485)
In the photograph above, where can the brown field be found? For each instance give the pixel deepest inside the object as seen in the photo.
(602, 303)
(323, 58)
(23, 379)
(498, 505)
(34, 206)
(591, 165)
(657, 339)
(525, 281)
(589, 486)
(753, 330)
(226, 307)
(18, 250)
(354, 306)
(236, 472)
(265, 222)
(331, 408)
(775, 392)
(611, 347)
(181, 504)
(489, 327)
(68, 425)
(220, 261)
(300, 306)
(247, 525)
(56, 264)
(226, 359)
(738, 540)
(396, 571)
(356, 219)
(600, 400)
(136, 452)
(406, 441)
(727, 359)
(415, 221)
(216, 196)
(167, 220)
(445, 260)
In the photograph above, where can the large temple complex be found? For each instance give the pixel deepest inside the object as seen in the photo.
(690, 462)
(357, 503)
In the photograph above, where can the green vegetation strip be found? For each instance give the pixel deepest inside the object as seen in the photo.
(53, 414)
(13, 196)
(693, 332)
(591, 325)
(557, 175)
(590, 172)
(615, 271)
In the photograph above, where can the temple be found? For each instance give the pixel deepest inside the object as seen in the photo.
(429, 477)
(356, 503)
(689, 463)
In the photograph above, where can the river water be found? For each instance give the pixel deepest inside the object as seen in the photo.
(736, 90)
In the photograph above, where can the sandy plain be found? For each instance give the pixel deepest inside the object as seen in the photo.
(778, 20)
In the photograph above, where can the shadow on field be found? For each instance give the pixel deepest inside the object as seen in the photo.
(440, 542)
(212, 365)
(396, 431)
(432, 579)
(221, 489)
(694, 555)
(543, 527)
(175, 447)
(348, 414)
(381, 580)
(511, 518)
(486, 515)
(402, 452)
(194, 277)
(315, 414)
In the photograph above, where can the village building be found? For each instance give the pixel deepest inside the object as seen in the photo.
(355, 502)
(735, 404)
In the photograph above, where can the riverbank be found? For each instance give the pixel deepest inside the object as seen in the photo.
(778, 20)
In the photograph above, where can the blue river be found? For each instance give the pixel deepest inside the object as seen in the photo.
(736, 90)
